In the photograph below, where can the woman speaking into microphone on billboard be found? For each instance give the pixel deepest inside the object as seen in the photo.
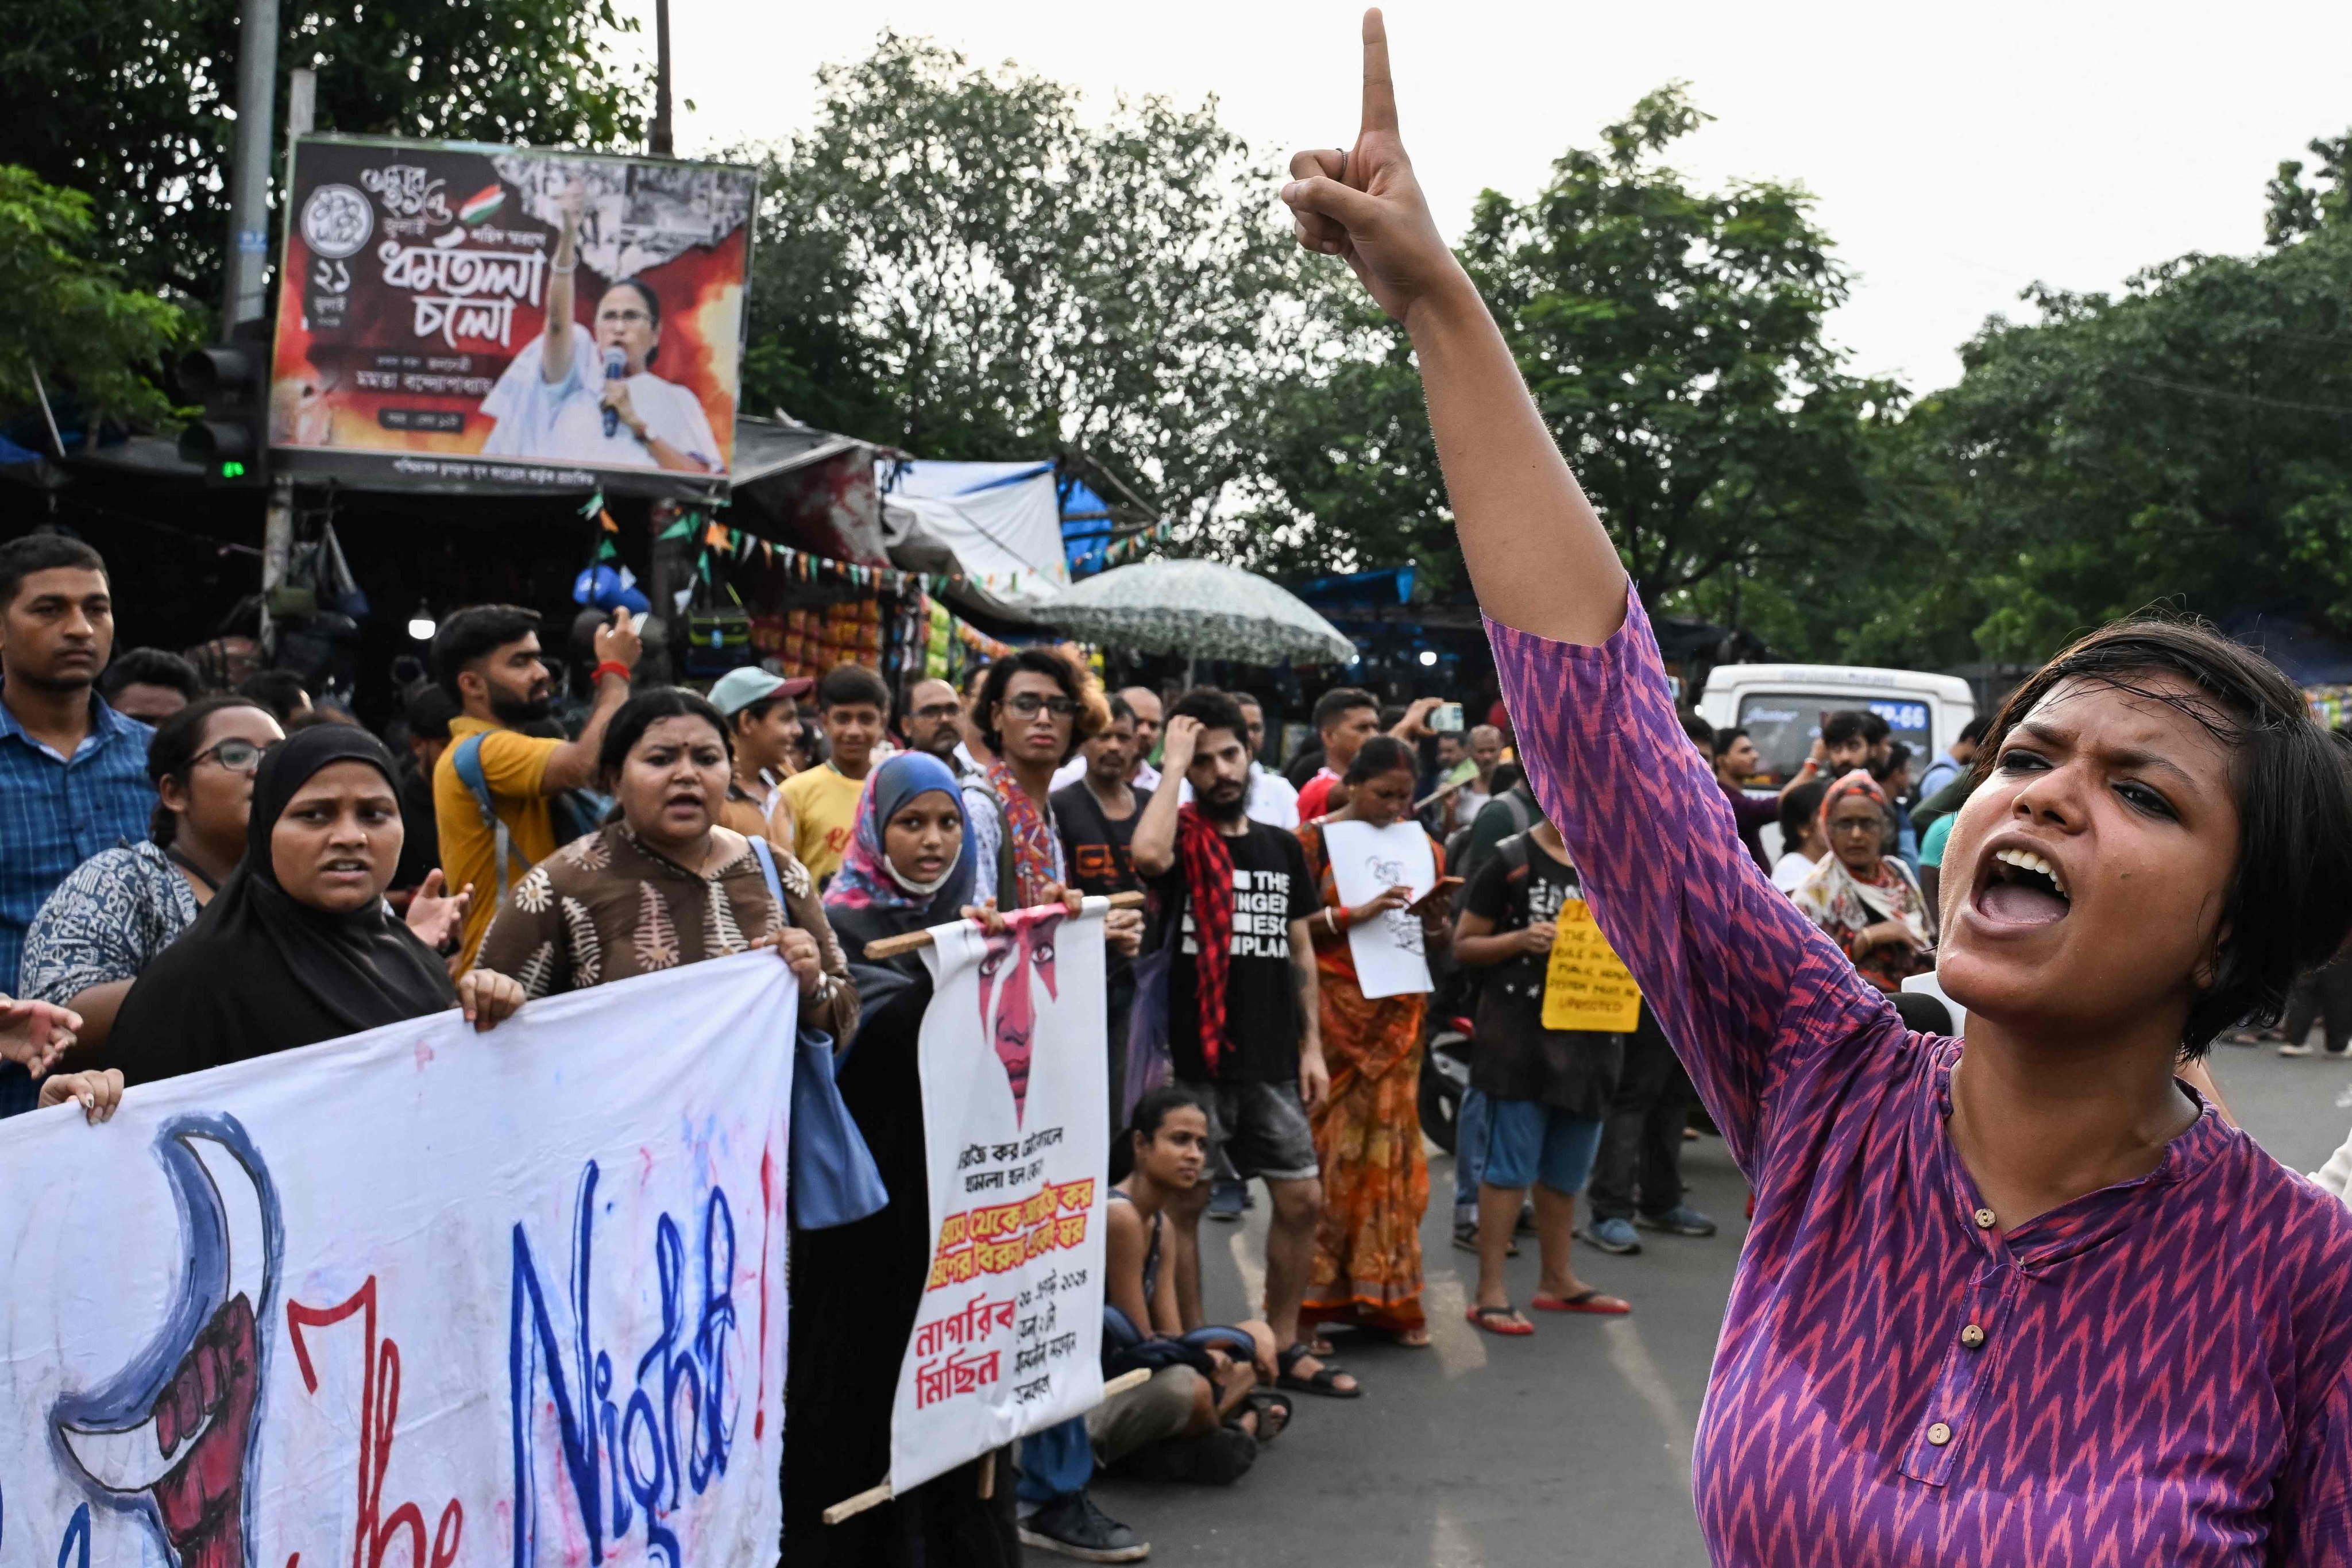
(592, 397)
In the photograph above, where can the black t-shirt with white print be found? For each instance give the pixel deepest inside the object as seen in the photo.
(1271, 888)
(1515, 1057)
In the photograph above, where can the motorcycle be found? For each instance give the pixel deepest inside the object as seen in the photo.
(1445, 1073)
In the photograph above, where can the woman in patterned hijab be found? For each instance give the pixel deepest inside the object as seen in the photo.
(664, 884)
(1866, 900)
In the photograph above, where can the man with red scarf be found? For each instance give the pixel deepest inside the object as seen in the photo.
(1235, 896)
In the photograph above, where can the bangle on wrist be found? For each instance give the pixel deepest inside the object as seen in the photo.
(613, 667)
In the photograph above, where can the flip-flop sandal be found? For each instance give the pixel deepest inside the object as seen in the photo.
(1504, 1320)
(1274, 1412)
(1324, 1382)
(1586, 1300)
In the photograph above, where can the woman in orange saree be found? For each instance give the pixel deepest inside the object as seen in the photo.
(1368, 1129)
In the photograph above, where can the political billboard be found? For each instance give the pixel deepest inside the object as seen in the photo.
(462, 317)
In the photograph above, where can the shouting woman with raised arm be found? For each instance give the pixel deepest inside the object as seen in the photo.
(2027, 1300)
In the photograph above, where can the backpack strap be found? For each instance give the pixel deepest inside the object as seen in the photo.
(1513, 851)
(760, 846)
(465, 757)
(1522, 818)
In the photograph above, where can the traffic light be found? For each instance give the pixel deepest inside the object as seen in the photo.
(231, 441)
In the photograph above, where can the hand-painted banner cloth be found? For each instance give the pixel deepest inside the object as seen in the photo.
(418, 1295)
(1016, 1074)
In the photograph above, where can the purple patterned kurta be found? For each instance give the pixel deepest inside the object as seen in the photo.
(2153, 1374)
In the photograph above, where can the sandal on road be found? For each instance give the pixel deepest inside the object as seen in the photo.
(1585, 1301)
(1273, 1412)
(1325, 1380)
(1504, 1319)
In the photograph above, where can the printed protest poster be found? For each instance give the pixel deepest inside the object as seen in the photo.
(419, 1296)
(454, 316)
(1390, 959)
(1586, 984)
(1015, 1075)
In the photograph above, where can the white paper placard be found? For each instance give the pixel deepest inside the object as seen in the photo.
(1390, 960)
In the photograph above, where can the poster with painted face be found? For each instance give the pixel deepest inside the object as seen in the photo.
(454, 316)
(421, 1296)
(1015, 1075)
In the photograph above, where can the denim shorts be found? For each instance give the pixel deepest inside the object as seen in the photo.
(1528, 1142)
(1258, 1130)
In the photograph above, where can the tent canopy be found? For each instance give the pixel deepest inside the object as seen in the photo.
(1001, 523)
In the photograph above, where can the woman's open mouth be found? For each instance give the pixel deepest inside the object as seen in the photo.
(2021, 888)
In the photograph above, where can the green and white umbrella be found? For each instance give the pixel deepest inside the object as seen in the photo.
(1202, 609)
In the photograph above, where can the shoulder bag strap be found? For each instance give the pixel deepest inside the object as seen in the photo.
(467, 758)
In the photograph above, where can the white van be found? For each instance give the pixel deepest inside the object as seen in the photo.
(1780, 706)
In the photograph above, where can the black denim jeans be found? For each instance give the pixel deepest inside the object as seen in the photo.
(1642, 1149)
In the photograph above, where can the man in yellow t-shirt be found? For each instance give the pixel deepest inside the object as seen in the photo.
(854, 707)
(488, 658)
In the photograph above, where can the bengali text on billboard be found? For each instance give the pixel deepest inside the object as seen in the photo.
(466, 317)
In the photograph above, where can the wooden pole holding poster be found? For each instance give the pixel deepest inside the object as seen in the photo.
(892, 946)
(874, 1496)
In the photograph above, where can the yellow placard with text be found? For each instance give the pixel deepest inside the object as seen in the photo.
(1586, 984)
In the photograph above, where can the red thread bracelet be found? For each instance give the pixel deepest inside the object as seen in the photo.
(613, 667)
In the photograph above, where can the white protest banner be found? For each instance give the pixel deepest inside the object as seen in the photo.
(1008, 1339)
(420, 1297)
(1365, 862)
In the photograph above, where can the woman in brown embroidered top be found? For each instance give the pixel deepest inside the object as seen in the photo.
(665, 885)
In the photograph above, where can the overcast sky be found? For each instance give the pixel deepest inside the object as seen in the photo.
(1958, 153)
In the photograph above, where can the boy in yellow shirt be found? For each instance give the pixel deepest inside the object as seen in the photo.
(853, 708)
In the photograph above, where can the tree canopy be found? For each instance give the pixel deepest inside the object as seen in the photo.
(1673, 338)
(132, 101)
(73, 331)
(954, 261)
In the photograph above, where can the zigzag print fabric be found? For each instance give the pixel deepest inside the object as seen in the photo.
(2153, 1374)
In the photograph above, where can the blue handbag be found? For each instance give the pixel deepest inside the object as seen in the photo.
(834, 1180)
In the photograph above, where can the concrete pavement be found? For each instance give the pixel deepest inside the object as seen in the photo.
(1571, 1446)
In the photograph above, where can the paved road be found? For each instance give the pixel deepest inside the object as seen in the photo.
(1572, 1447)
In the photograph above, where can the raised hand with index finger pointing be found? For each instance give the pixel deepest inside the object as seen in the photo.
(1363, 204)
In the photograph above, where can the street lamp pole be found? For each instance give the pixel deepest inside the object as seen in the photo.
(660, 139)
(248, 191)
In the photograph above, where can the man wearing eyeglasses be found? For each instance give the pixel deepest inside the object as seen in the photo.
(1033, 714)
(73, 771)
(931, 719)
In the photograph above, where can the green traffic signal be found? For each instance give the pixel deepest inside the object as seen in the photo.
(232, 470)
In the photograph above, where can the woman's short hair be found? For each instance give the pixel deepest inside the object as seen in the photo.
(1090, 719)
(2289, 903)
(173, 750)
(653, 309)
(641, 713)
(1381, 754)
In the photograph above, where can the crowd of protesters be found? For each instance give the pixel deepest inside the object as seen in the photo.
(159, 834)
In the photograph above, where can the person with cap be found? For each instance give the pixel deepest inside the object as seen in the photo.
(763, 719)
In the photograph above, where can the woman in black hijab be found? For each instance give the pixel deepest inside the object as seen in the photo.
(855, 1288)
(297, 946)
